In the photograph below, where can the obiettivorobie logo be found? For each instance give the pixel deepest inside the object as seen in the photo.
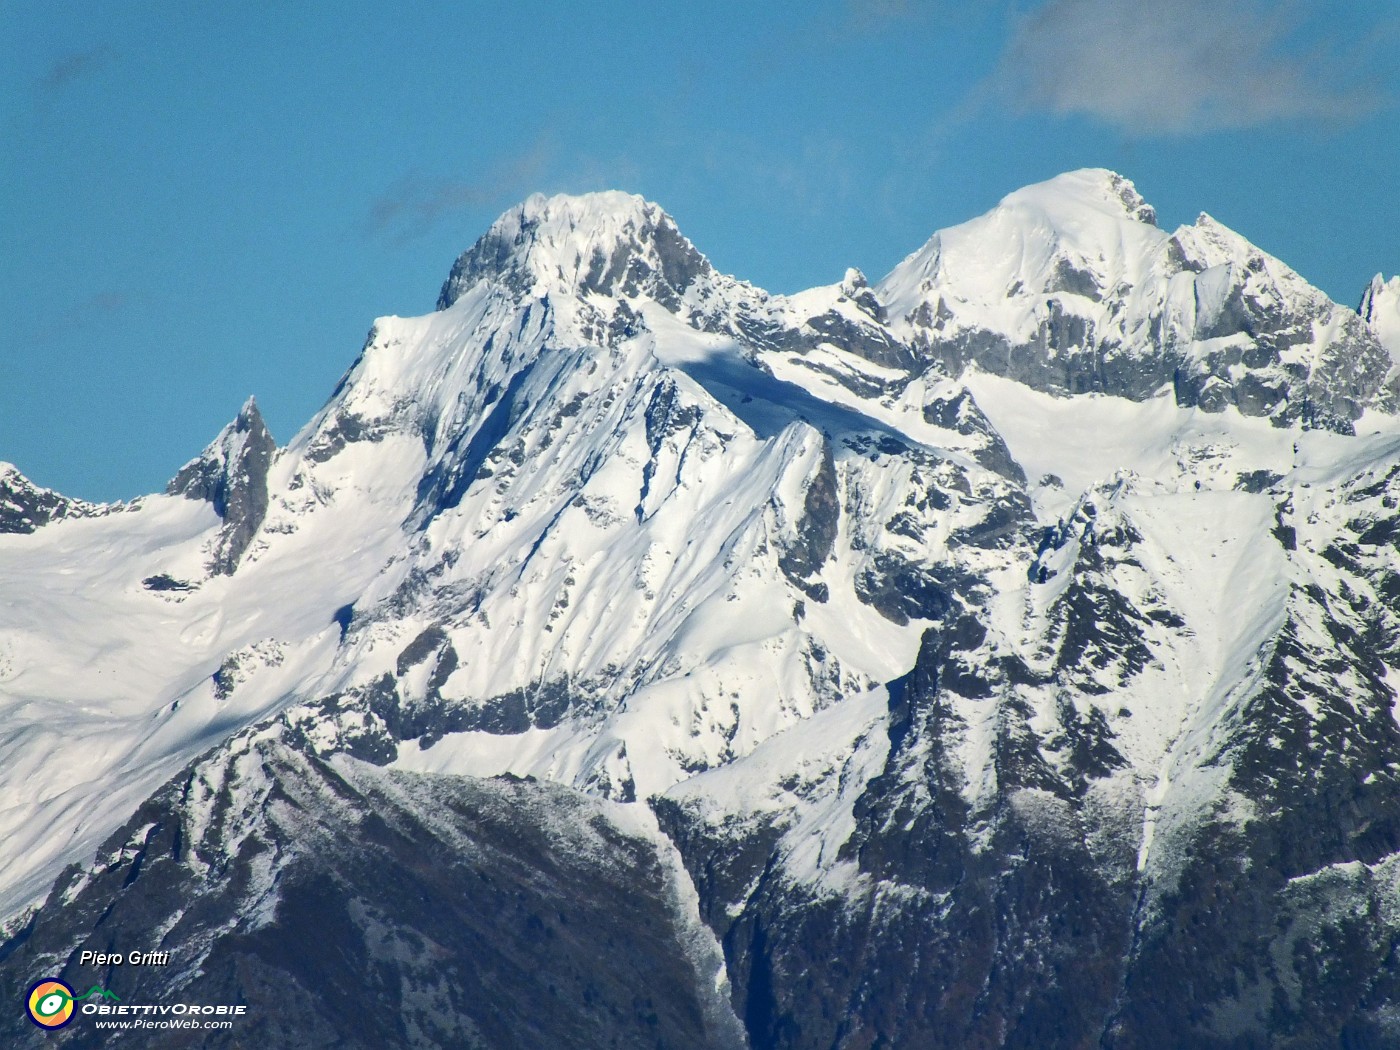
(51, 1002)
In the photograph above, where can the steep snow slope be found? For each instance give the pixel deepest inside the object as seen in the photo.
(110, 685)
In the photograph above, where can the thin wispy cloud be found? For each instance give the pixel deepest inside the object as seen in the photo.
(84, 314)
(415, 205)
(813, 175)
(1183, 66)
(74, 66)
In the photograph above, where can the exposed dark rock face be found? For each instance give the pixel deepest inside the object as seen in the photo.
(25, 506)
(1068, 357)
(1258, 381)
(232, 475)
(901, 590)
(816, 531)
(864, 339)
(370, 721)
(961, 413)
(344, 429)
(1098, 633)
(348, 907)
(1258, 480)
(166, 582)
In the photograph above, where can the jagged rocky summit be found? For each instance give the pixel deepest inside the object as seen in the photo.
(1380, 308)
(25, 506)
(231, 474)
(1002, 653)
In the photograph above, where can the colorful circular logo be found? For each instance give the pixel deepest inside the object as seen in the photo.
(50, 1003)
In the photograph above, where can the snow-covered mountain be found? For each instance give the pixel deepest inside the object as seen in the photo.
(1006, 649)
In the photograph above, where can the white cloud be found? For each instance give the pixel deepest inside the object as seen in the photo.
(1182, 66)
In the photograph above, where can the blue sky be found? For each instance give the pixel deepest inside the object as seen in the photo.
(202, 202)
